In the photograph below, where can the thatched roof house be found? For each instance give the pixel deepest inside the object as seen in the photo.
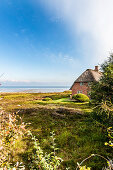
(80, 85)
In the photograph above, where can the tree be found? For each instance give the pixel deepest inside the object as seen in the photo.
(103, 90)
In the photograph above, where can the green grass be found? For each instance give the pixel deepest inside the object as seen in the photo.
(77, 135)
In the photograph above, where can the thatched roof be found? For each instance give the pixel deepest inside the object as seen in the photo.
(88, 76)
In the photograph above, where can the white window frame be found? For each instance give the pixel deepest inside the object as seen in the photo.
(89, 83)
(81, 83)
(79, 91)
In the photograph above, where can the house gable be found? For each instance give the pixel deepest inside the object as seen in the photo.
(82, 82)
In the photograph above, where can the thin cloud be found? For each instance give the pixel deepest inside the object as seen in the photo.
(64, 59)
(91, 20)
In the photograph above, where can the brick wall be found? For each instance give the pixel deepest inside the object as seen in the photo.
(83, 88)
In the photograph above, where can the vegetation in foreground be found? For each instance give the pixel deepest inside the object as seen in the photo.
(79, 133)
(74, 128)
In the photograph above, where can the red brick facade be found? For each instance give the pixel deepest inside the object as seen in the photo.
(82, 83)
(80, 88)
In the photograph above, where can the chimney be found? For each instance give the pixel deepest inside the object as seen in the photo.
(96, 68)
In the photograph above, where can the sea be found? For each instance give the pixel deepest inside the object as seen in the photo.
(33, 89)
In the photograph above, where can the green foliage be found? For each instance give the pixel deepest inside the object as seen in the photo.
(104, 112)
(61, 95)
(110, 136)
(11, 143)
(103, 90)
(64, 138)
(12, 134)
(47, 99)
(81, 97)
(102, 94)
(10, 103)
(72, 131)
(72, 136)
(74, 96)
(84, 168)
(102, 98)
(41, 160)
(107, 160)
(62, 100)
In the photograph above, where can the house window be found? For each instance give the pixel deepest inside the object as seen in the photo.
(89, 83)
(81, 83)
(79, 92)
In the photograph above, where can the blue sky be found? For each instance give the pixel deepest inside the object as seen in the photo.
(45, 42)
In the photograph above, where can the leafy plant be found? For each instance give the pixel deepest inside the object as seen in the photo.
(44, 161)
(12, 134)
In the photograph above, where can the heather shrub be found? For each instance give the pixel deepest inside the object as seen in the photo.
(80, 97)
(11, 143)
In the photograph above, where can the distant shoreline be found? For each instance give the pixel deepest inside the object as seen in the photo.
(33, 89)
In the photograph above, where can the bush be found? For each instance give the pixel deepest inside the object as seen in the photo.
(47, 99)
(80, 97)
(74, 96)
